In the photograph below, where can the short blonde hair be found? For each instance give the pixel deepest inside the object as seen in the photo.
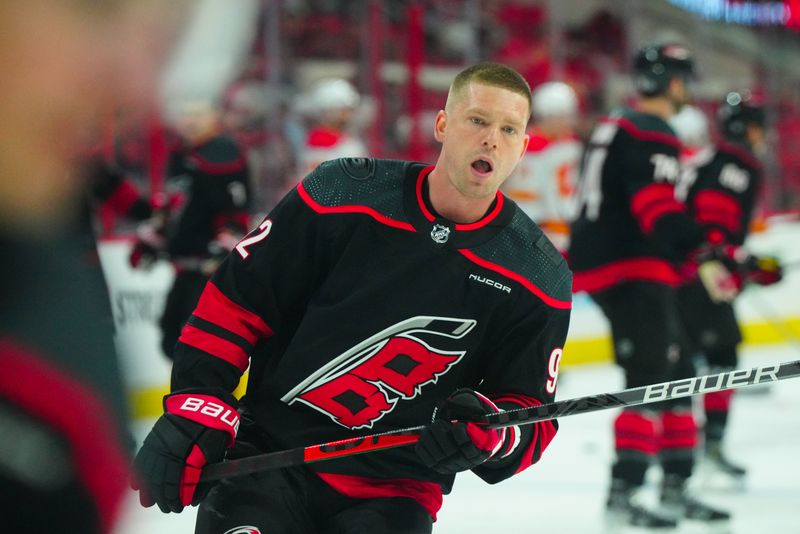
(493, 74)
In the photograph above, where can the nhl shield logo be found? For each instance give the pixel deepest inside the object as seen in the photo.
(440, 233)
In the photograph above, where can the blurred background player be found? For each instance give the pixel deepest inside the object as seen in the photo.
(720, 185)
(205, 215)
(330, 107)
(543, 182)
(69, 65)
(629, 235)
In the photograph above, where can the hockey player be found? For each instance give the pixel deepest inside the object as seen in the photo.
(206, 214)
(544, 181)
(374, 293)
(720, 185)
(330, 106)
(629, 236)
(63, 464)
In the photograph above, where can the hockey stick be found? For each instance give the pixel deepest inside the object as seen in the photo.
(524, 416)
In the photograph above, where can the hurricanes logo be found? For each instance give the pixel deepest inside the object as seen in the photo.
(243, 530)
(440, 233)
(365, 383)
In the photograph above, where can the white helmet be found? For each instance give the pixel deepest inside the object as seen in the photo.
(554, 99)
(333, 93)
(691, 126)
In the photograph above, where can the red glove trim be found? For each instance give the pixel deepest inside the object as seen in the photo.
(206, 410)
(191, 474)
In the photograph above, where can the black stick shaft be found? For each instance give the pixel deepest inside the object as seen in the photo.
(524, 416)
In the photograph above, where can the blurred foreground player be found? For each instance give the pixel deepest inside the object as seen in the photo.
(544, 181)
(62, 463)
(720, 185)
(630, 235)
(375, 292)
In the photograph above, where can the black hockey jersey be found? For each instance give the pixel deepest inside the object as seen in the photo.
(211, 184)
(359, 310)
(720, 186)
(630, 226)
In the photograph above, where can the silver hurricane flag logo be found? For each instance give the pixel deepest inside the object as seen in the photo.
(364, 383)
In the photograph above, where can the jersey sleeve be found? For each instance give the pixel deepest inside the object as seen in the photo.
(651, 169)
(723, 202)
(262, 284)
(523, 371)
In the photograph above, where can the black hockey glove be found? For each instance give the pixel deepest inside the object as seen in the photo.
(196, 428)
(447, 446)
(761, 270)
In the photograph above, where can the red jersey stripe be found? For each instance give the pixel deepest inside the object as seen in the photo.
(216, 308)
(427, 494)
(611, 274)
(366, 210)
(215, 346)
(547, 299)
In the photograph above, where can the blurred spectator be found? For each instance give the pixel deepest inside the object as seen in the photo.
(544, 181)
(205, 214)
(67, 65)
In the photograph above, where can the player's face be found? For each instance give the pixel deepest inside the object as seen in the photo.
(679, 93)
(483, 138)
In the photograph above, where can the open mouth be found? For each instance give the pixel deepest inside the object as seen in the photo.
(482, 166)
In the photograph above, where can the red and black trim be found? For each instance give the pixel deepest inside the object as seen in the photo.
(718, 208)
(496, 210)
(626, 270)
(427, 494)
(224, 329)
(652, 202)
(635, 432)
(74, 411)
(644, 134)
(527, 284)
(353, 208)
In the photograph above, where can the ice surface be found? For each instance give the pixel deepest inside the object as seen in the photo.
(565, 491)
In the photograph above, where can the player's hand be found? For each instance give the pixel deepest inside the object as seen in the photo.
(451, 443)
(148, 247)
(196, 428)
(762, 270)
(721, 284)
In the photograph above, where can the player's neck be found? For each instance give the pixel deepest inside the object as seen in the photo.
(451, 204)
(658, 106)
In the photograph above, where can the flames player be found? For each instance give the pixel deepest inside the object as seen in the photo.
(330, 106)
(720, 186)
(207, 212)
(365, 300)
(543, 182)
(629, 236)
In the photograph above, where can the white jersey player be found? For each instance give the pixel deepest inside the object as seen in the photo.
(331, 104)
(543, 182)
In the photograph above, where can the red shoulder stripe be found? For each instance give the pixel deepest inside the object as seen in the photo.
(353, 208)
(527, 284)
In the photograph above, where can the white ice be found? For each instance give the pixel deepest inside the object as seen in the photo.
(564, 493)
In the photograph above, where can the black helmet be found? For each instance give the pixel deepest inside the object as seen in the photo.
(736, 111)
(656, 64)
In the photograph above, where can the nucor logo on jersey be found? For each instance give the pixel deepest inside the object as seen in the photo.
(366, 382)
(704, 384)
(490, 282)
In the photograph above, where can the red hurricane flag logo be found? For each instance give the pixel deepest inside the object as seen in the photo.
(365, 383)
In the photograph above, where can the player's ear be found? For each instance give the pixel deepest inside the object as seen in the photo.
(525, 141)
(440, 125)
